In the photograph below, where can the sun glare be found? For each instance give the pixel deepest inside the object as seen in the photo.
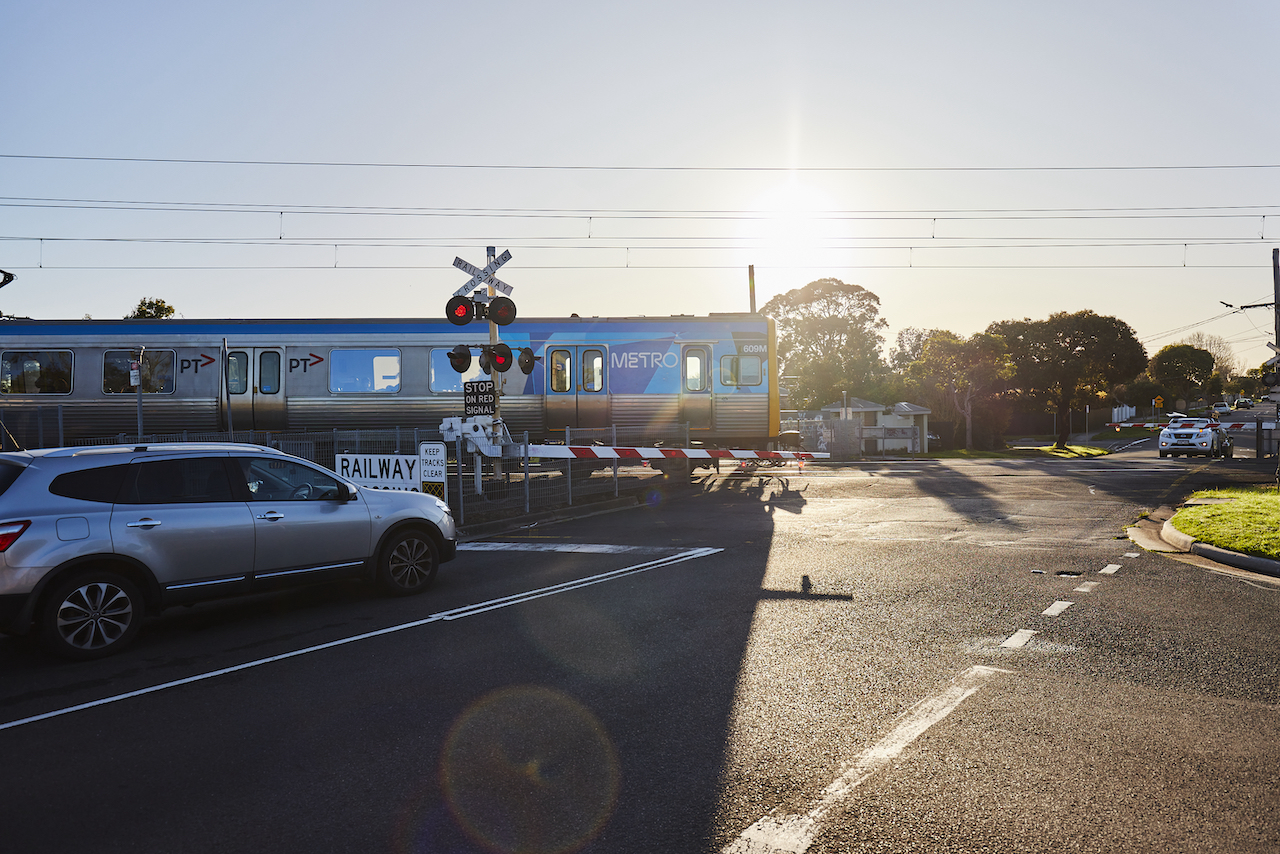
(792, 225)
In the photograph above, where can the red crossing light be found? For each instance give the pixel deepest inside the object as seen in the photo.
(460, 358)
(500, 357)
(502, 310)
(459, 310)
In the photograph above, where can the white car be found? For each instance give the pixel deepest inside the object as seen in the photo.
(1221, 409)
(1190, 437)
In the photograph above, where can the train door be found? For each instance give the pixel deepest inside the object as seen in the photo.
(576, 387)
(695, 391)
(255, 388)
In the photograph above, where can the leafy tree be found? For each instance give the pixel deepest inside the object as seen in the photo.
(1069, 360)
(828, 338)
(1181, 368)
(1140, 391)
(151, 307)
(1224, 357)
(966, 371)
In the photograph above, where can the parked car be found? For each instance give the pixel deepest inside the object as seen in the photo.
(92, 539)
(1243, 403)
(1189, 437)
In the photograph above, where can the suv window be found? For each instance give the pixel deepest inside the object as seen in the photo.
(285, 480)
(184, 481)
(100, 484)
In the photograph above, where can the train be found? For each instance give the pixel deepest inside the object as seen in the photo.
(715, 377)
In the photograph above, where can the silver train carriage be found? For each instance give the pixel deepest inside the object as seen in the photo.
(644, 375)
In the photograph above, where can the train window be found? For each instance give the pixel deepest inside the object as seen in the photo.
(157, 371)
(356, 371)
(740, 370)
(561, 370)
(237, 372)
(592, 370)
(269, 372)
(695, 369)
(35, 372)
(444, 379)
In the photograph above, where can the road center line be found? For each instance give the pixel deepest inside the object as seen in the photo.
(1018, 639)
(1109, 569)
(583, 548)
(1086, 587)
(793, 834)
(1057, 608)
(454, 614)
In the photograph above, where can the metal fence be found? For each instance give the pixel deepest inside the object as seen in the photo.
(480, 489)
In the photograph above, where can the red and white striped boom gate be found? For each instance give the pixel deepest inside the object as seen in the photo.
(1176, 424)
(599, 452)
(487, 436)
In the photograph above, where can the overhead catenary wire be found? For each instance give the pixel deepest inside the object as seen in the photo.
(641, 168)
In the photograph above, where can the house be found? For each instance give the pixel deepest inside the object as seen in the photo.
(856, 427)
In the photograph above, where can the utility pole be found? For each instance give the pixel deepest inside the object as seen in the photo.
(1275, 280)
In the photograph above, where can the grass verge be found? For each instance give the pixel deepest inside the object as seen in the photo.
(1248, 521)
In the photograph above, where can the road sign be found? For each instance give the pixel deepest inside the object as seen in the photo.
(478, 397)
(1159, 401)
(481, 277)
(380, 471)
(433, 463)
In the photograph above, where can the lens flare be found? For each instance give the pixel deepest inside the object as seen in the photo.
(529, 770)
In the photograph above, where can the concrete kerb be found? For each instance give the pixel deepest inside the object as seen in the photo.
(1187, 543)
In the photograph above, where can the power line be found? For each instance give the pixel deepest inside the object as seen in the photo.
(1166, 212)
(619, 168)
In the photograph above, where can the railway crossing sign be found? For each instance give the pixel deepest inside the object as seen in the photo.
(482, 277)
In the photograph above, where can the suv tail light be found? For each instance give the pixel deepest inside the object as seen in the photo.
(10, 531)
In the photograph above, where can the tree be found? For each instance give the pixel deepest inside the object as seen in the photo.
(968, 371)
(1070, 360)
(151, 307)
(828, 338)
(1224, 357)
(1181, 368)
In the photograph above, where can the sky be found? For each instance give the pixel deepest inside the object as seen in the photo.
(966, 162)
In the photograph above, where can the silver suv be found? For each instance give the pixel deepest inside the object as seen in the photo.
(93, 539)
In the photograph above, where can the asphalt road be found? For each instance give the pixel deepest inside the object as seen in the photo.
(859, 659)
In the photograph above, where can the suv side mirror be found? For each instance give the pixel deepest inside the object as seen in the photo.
(347, 492)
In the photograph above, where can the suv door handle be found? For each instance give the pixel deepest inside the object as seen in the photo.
(271, 515)
(143, 523)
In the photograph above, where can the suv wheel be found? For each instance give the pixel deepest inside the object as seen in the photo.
(91, 615)
(408, 563)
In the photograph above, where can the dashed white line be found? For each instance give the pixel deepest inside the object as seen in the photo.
(1109, 569)
(793, 834)
(1086, 587)
(1056, 608)
(1018, 639)
(1132, 554)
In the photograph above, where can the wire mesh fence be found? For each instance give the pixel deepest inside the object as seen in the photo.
(479, 488)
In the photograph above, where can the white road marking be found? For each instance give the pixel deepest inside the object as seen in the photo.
(1109, 569)
(1018, 639)
(1132, 554)
(583, 548)
(793, 834)
(1057, 608)
(1086, 587)
(454, 614)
